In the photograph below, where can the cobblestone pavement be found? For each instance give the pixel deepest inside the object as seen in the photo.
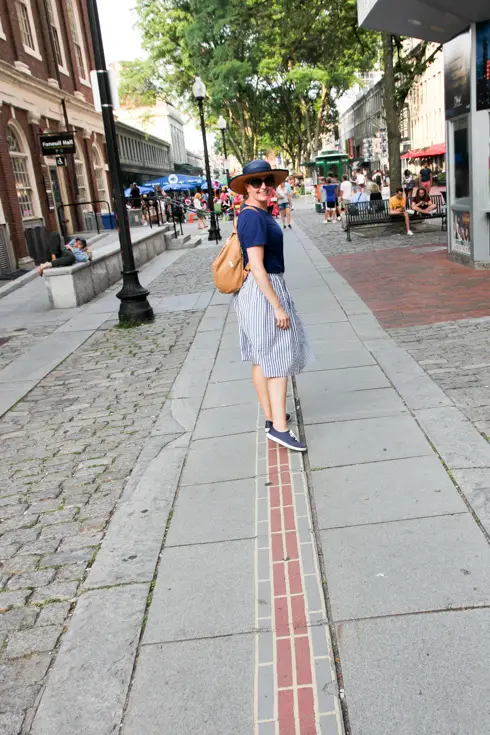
(67, 450)
(331, 239)
(191, 273)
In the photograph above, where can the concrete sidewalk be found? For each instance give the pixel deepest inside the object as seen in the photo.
(240, 590)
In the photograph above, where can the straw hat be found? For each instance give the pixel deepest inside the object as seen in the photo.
(257, 169)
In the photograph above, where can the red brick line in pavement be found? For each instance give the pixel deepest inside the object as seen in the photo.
(295, 694)
(407, 287)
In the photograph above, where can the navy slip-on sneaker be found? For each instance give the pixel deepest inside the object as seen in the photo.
(268, 424)
(286, 439)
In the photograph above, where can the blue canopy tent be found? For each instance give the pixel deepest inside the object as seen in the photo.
(216, 185)
(187, 182)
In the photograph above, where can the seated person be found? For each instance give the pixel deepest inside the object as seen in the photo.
(359, 195)
(398, 208)
(422, 203)
(75, 252)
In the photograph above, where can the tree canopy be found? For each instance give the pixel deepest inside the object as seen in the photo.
(274, 69)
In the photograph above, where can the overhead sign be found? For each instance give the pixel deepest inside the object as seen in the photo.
(173, 179)
(60, 161)
(57, 144)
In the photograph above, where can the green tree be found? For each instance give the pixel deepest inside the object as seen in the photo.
(274, 69)
(138, 86)
(402, 66)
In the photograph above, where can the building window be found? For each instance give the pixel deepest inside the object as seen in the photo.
(26, 25)
(76, 35)
(100, 178)
(22, 174)
(82, 184)
(54, 25)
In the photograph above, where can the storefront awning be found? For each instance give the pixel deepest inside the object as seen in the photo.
(438, 149)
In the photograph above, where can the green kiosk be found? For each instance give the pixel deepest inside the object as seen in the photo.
(334, 161)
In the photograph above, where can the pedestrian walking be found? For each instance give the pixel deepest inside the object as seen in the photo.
(272, 335)
(360, 178)
(426, 177)
(323, 195)
(284, 203)
(201, 217)
(408, 183)
(331, 191)
(345, 191)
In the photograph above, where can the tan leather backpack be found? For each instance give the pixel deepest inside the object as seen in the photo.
(229, 274)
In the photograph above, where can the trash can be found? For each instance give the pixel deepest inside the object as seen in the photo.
(109, 221)
(318, 208)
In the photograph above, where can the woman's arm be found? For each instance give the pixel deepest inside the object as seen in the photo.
(256, 262)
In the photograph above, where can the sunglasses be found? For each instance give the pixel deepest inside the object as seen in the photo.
(257, 182)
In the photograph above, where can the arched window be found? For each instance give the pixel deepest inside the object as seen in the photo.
(23, 174)
(100, 177)
(80, 172)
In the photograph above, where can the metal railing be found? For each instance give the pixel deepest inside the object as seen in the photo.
(156, 210)
(84, 220)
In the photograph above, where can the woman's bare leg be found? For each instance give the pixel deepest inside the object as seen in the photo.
(262, 389)
(278, 388)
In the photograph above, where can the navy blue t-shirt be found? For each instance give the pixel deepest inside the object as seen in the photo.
(257, 227)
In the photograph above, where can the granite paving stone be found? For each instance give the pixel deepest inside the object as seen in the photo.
(236, 459)
(353, 405)
(341, 381)
(184, 606)
(226, 420)
(366, 440)
(233, 393)
(384, 491)
(229, 509)
(220, 669)
(436, 681)
(87, 687)
(407, 566)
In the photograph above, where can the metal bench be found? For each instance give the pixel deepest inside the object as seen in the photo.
(367, 214)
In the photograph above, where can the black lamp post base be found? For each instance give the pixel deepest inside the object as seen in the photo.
(135, 306)
(214, 231)
(214, 234)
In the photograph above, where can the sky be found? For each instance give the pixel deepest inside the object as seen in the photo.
(122, 42)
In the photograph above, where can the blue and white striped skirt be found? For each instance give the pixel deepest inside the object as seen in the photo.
(279, 352)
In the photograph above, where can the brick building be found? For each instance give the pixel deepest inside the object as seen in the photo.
(45, 62)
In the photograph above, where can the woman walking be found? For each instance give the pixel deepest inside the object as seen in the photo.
(284, 202)
(201, 217)
(272, 336)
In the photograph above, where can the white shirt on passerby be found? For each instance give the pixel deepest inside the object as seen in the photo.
(346, 189)
(360, 179)
(197, 203)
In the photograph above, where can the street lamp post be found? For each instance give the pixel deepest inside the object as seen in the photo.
(134, 303)
(199, 92)
(222, 127)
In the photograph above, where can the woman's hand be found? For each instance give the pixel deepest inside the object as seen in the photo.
(282, 319)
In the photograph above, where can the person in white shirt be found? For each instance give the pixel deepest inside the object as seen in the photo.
(345, 190)
(360, 179)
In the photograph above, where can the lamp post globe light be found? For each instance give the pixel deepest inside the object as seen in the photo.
(199, 92)
(222, 127)
(133, 296)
